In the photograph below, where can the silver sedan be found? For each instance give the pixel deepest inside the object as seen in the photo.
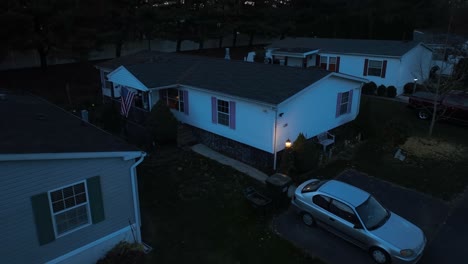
(359, 218)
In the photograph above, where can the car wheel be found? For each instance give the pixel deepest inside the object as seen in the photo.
(380, 256)
(308, 219)
(423, 115)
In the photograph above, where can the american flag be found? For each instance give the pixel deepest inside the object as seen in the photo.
(127, 98)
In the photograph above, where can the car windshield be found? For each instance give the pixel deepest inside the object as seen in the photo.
(372, 213)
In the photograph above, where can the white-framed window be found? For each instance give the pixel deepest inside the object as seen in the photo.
(332, 64)
(223, 112)
(174, 99)
(344, 103)
(323, 62)
(374, 68)
(69, 207)
(329, 63)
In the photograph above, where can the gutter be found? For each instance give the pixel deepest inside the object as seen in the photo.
(274, 139)
(126, 155)
(136, 202)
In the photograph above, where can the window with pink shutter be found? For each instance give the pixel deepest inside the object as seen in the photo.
(223, 112)
(344, 103)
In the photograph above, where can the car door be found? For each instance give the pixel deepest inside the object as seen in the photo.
(320, 210)
(346, 224)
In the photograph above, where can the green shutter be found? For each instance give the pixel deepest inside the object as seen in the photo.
(95, 199)
(43, 219)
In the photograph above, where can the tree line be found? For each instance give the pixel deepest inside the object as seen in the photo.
(73, 28)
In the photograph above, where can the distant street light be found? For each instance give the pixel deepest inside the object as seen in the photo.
(288, 143)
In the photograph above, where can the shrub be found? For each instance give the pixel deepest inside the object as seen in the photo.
(306, 154)
(382, 90)
(124, 253)
(162, 124)
(369, 88)
(408, 88)
(391, 91)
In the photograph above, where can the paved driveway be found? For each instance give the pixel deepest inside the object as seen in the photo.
(449, 245)
(425, 211)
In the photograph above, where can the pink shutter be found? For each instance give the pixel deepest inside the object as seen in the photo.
(350, 101)
(232, 115)
(338, 105)
(338, 64)
(186, 103)
(317, 60)
(214, 110)
(366, 62)
(384, 68)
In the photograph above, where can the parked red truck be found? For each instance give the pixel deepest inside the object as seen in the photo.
(451, 106)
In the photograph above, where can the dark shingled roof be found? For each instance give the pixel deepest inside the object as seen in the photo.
(131, 59)
(391, 48)
(257, 81)
(32, 125)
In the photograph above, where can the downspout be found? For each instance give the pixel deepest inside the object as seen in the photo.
(274, 139)
(136, 203)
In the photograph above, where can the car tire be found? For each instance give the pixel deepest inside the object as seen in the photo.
(308, 219)
(379, 255)
(423, 114)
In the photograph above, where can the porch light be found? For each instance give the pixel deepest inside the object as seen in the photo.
(414, 85)
(288, 143)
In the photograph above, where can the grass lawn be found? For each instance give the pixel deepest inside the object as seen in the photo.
(440, 173)
(194, 211)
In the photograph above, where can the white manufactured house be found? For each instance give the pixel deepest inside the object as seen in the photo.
(68, 189)
(384, 62)
(247, 110)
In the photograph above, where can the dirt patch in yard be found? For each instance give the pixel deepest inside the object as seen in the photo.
(429, 148)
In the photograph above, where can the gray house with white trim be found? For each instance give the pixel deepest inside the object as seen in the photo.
(68, 189)
(245, 110)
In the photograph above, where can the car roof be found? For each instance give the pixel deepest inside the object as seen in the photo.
(344, 192)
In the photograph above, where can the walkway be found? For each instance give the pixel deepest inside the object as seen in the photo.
(242, 167)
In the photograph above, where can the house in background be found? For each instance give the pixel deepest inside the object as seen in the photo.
(384, 62)
(448, 49)
(68, 189)
(245, 110)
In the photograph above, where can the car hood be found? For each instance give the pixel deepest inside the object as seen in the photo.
(400, 233)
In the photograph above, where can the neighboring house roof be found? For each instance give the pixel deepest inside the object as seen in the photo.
(131, 59)
(390, 48)
(261, 82)
(31, 125)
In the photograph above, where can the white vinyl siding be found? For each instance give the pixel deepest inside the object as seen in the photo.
(24, 179)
